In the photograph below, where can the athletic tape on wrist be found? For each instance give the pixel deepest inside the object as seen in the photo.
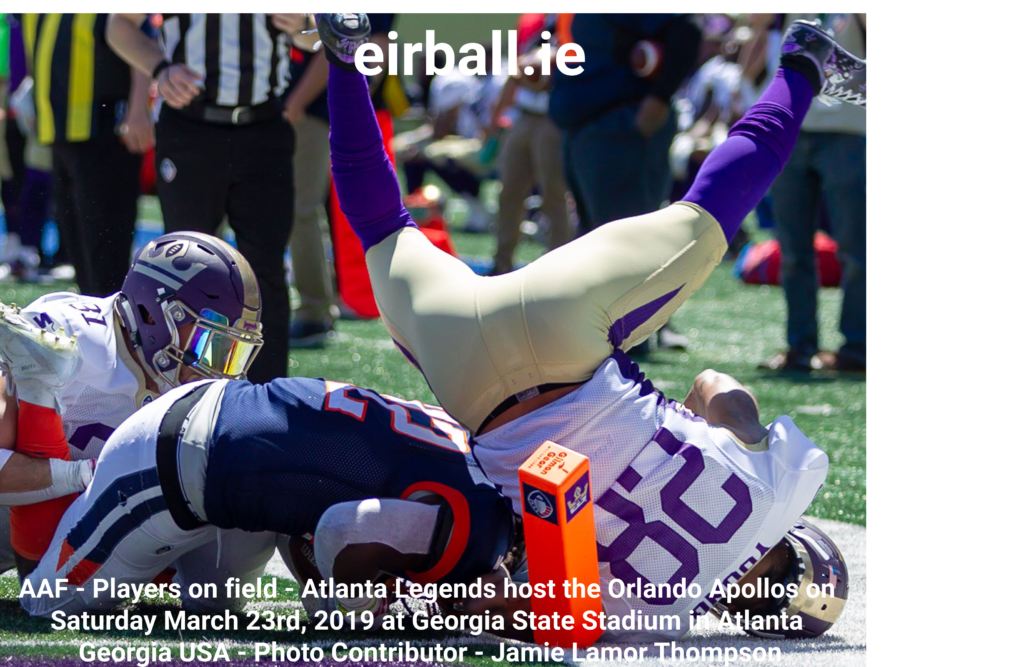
(66, 478)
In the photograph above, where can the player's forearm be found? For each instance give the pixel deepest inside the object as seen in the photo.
(25, 480)
(23, 474)
(131, 44)
(138, 97)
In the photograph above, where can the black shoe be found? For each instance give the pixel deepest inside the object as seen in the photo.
(341, 35)
(838, 75)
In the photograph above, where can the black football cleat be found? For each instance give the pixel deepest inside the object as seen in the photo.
(341, 35)
(840, 76)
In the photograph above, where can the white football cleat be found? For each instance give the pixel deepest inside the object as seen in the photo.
(39, 361)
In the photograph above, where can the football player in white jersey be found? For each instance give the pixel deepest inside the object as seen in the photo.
(681, 491)
(78, 366)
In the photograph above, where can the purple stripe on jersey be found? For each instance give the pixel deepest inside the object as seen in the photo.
(668, 441)
(628, 323)
(629, 478)
(630, 370)
(83, 435)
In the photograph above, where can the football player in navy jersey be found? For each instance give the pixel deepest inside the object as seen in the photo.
(384, 484)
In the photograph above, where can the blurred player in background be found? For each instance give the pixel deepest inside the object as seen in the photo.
(189, 308)
(538, 354)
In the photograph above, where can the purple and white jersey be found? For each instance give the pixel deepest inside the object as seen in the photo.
(108, 385)
(675, 498)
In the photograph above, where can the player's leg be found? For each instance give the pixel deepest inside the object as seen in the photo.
(119, 528)
(625, 279)
(44, 363)
(736, 175)
(425, 296)
(234, 554)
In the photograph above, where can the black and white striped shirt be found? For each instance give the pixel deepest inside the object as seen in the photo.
(242, 59)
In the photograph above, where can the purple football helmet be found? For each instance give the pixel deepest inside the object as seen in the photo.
(191, 278)
(813, 558)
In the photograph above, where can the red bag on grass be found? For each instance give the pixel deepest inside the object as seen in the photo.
(761, 263)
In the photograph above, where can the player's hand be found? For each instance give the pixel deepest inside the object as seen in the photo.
(178, 85)
(652, 115)
(136, 132)
(290, 23)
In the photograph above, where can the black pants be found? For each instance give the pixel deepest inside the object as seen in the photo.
(206, 172)
(95, 197)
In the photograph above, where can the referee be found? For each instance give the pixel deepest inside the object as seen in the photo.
(224, 147)
(94, 113)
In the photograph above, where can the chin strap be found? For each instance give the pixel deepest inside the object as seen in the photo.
(126, 318)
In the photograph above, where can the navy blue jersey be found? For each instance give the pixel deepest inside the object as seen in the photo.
(282, 453)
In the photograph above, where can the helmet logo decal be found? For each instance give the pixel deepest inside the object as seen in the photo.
(174, 249)
(167, 170)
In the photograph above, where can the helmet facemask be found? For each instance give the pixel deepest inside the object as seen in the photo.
(790, 564)
(215, 348)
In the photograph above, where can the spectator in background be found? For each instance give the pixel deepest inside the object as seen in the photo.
(225, 148)
(828, 165)
(459, 108)
(26, 191)
(305, 107)
(93, 110)
(617, 117)
(387, 91)
(531, 156)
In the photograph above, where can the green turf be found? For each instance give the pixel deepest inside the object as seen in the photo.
(731, 327)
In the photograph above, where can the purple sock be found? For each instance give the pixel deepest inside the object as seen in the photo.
(736, 175)
(367, 187)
